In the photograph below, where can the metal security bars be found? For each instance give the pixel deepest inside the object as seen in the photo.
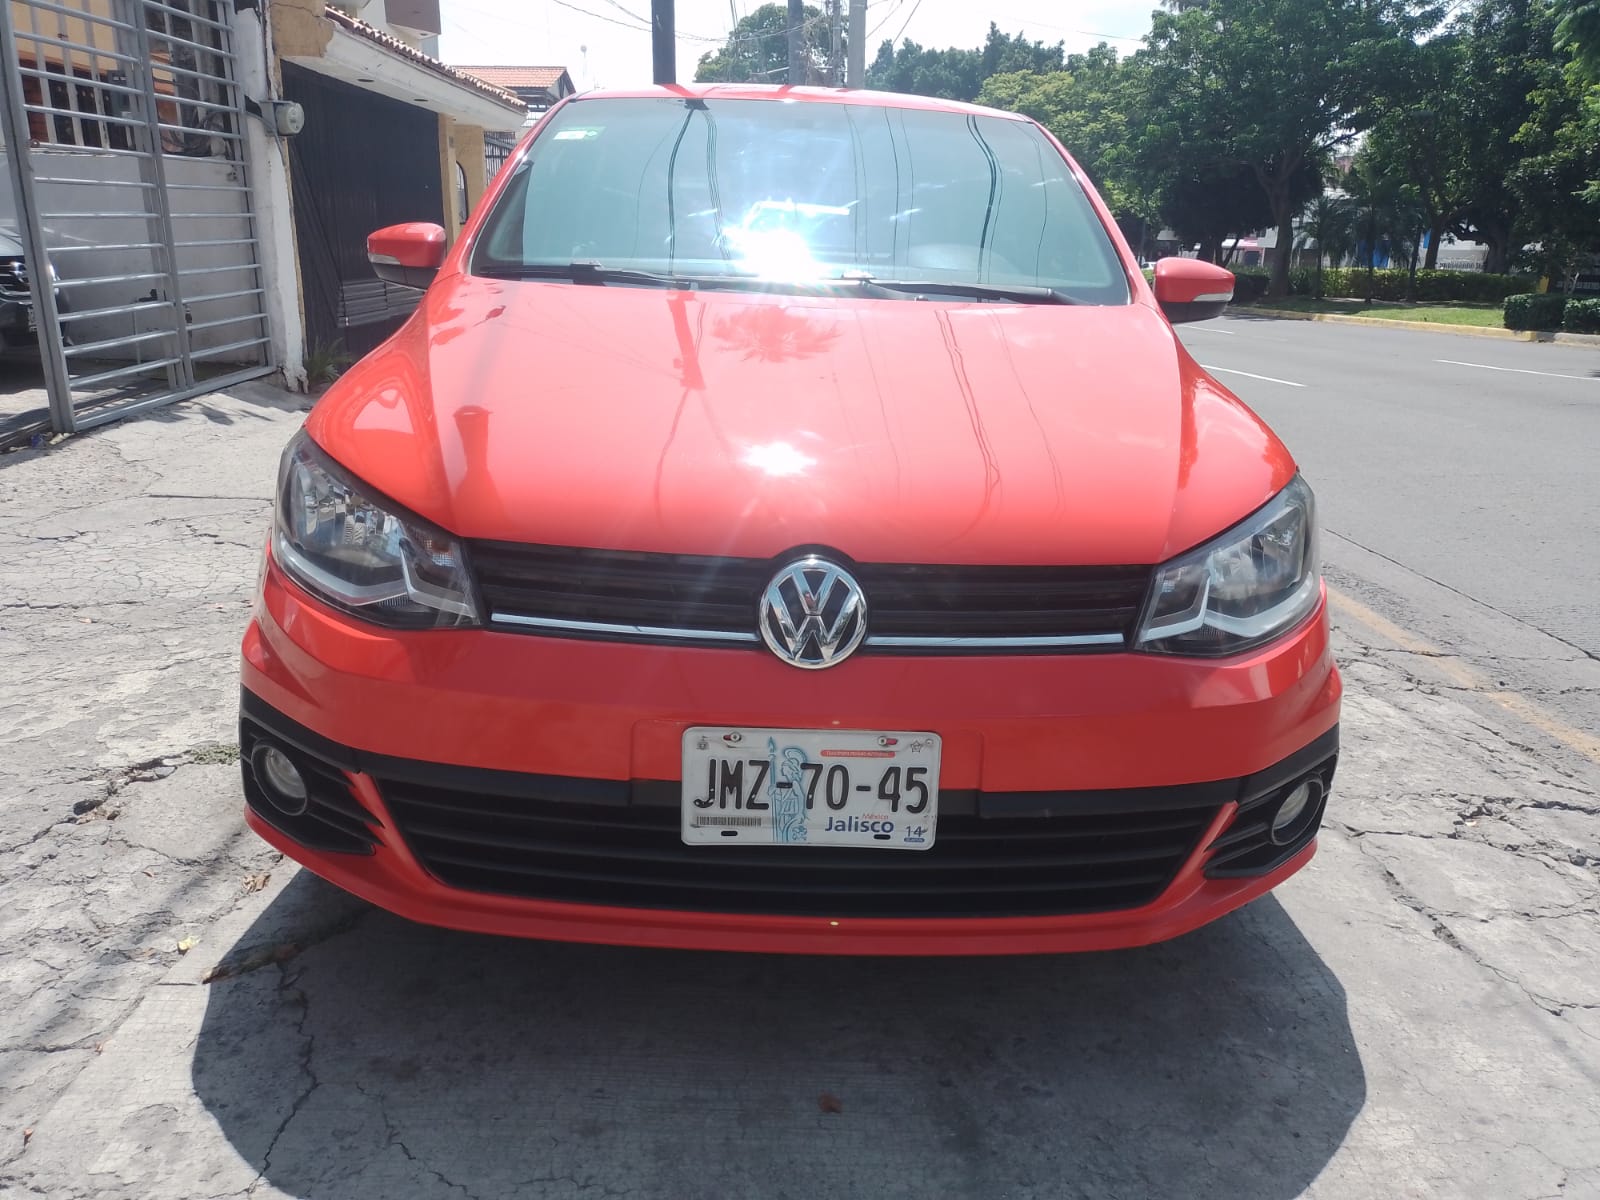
(124, 140)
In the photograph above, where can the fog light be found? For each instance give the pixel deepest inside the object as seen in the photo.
(279, 778)
(1295, 812)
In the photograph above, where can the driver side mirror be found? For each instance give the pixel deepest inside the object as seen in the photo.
(409, 255)
(1190, 290)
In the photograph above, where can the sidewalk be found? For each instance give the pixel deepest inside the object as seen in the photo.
(1264, 309)
(127, 562)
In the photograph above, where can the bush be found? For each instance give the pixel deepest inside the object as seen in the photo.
(1582, 316)
(1433, 287)
(1250, 283)
(1389, 283)
(1536, 310)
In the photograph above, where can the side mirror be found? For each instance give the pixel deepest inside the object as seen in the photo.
(1190, 290)
(409, 255)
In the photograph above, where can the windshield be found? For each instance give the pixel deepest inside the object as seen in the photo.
(800, 191)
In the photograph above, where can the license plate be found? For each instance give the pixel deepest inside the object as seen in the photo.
(810, 787)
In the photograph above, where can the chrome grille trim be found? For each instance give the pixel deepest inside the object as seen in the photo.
(640, 631)
(891, 641)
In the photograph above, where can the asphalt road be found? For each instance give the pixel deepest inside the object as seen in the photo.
(1417, 1014)
(1458, 481)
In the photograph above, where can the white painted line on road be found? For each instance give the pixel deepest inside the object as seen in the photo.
(1247, 375)
(1514, 370)
(1212, 329)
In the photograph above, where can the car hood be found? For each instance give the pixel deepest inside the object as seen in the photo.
(748, 424)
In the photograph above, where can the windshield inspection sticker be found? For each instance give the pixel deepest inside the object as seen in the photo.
(576, 135)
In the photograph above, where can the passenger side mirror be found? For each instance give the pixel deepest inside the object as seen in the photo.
(409, 255)
(1191, 290)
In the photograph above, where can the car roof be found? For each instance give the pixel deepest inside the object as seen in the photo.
(808, 95)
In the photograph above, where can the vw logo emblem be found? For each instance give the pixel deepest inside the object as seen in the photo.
(813, 614)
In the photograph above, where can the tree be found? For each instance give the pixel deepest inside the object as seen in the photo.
(1210, 203)
(1087, 105)
(1329, 221)
(1420, 131)
(1555, 179)
(1274, 84)
(1578, 32)
(956, 74)
(757, 50)
(1389, 217)
(1506, 43)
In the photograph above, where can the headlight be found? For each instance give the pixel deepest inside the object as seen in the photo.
(1240, 589)
(345, 547)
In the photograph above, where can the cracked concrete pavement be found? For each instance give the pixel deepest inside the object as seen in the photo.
(1417, 1014)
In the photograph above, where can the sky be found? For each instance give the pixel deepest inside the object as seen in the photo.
(606, 43)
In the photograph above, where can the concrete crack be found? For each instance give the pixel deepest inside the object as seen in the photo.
(1464, 595)
(298, 996)
(394, 1139)
(1443, 933)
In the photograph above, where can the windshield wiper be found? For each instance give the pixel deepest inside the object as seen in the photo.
(1021, 293)
(599, 273)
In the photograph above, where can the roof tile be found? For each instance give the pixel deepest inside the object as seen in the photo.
(515, 77)
(389, 42)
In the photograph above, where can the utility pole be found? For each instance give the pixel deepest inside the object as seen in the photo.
(664, 40)
(797, 42)
(856, 76)
(836, 28)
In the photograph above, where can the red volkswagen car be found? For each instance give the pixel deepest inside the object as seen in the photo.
(790, 523)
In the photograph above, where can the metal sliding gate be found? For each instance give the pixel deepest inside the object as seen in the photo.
(124, 139)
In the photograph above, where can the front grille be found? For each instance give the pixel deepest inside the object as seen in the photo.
(628, 852)
(561, 590)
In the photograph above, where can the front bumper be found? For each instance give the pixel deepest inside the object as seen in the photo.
(495, 719)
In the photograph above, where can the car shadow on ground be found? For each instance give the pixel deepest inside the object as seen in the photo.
(392, 1059)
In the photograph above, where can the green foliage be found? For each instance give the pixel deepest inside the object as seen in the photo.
(1536, 310)
(1581, 316)
(1087, 104)
(1578, 31)
(757, 50)
(1507, 46)
(1270, 85)
(325, 362)
(1328, 225)
(1484, 124)
(1250, 283)
(1412, 158)
(1467, 287)
(1350, 283)
(1557, 179)
(959, 74)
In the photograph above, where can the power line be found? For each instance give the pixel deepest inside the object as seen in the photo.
(602, 17)
(907, 21)
(626, 12)
(884, 20)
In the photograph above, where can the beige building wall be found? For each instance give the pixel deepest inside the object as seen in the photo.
(470, 154)
(463, 144)
(299, 29)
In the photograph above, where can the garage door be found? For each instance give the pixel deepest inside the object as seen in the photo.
(124, 141)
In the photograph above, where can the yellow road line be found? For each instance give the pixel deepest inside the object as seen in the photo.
(1464, 676)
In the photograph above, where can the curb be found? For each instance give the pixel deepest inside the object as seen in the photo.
(1508, 335)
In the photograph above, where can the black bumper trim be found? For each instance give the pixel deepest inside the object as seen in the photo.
(659, 793)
